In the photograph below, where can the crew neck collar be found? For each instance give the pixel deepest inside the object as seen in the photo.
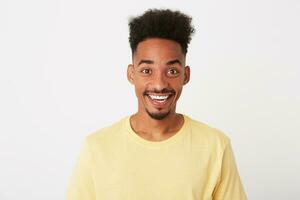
(173, 139)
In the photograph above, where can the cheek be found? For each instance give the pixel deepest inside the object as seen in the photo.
(177, 84)
(139, 90)
(140, 86)
(178, 89)
(178, 93)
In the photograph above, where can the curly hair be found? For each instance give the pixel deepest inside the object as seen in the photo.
(161, 23)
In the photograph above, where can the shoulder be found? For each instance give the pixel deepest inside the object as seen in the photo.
(106, 135)
(206, 134)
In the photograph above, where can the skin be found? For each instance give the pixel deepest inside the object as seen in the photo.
(158, 69)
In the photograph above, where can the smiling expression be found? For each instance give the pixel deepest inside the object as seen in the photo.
(158, 73)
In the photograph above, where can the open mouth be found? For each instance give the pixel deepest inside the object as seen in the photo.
(159, 99)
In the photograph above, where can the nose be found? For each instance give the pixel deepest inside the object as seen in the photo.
(160, 82)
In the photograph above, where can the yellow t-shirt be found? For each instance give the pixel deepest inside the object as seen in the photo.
(196, 163)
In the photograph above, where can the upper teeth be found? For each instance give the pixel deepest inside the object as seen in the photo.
(159, 97)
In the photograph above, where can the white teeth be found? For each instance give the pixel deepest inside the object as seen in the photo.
(155, 97)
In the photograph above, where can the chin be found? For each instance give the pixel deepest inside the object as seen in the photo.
(159, 115)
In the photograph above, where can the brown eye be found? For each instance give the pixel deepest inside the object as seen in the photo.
(172, 72)
(146, 71)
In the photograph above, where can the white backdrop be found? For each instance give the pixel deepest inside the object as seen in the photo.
(62, 76)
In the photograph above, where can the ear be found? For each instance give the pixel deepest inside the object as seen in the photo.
(130, 73)
(187, 73)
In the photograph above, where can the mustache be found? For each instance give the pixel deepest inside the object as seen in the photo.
(165, 90)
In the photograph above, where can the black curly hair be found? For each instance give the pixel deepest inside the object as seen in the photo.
(161, 23)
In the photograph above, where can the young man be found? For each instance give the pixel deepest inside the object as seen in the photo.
(157, 153)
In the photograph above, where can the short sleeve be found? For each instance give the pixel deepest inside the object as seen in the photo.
(229, 186)
(81, 186)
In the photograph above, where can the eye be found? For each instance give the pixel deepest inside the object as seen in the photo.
(173, 72)
(146, 71)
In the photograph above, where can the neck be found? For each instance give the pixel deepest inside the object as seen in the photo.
(153, 129)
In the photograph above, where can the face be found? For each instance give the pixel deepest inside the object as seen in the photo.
(158, 74)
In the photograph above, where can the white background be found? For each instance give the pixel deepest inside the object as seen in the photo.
(62, 76)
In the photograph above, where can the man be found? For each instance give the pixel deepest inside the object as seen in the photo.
(157, 153)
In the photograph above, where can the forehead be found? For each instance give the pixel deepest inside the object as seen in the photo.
(156, 48)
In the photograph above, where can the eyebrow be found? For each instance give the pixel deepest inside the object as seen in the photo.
(171, 62)
(146, 62)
